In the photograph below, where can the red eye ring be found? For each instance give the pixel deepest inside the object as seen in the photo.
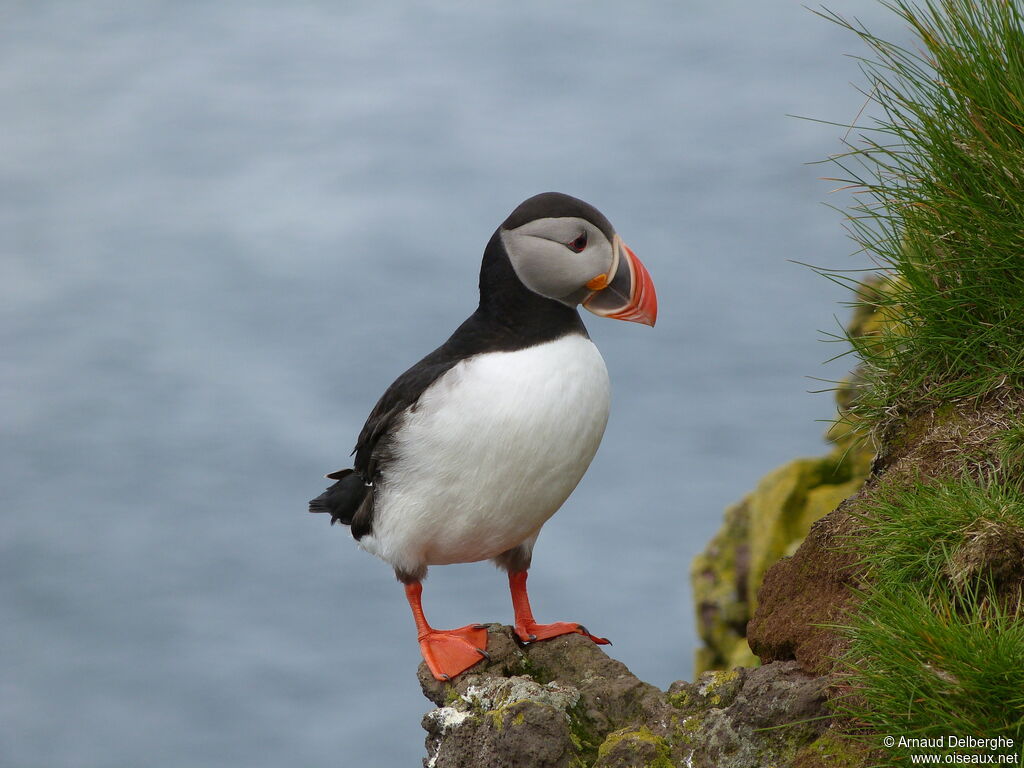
(578, 244)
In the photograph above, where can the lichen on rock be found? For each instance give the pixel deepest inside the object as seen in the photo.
(564, 702)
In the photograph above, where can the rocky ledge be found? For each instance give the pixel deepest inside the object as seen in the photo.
(565, 702)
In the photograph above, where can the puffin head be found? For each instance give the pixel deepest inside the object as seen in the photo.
(565, 249)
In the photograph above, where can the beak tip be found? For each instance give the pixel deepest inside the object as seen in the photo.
(648, 318)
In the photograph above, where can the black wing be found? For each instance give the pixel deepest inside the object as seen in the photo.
(371, 445)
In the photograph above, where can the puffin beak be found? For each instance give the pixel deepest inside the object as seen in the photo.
(629, 294)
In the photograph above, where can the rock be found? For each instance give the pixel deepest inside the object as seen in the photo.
(504, 722)
(564, 702)
(634, 748)
(834, 750)
(752, 717)
(489, 711)
(805, 593)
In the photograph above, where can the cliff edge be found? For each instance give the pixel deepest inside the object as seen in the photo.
(564, 702)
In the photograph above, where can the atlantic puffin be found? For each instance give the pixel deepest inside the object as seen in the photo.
(470, 451)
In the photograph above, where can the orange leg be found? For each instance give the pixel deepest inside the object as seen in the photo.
(448, 652)
(527, 628)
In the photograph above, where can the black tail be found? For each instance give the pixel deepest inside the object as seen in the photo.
(342, 499)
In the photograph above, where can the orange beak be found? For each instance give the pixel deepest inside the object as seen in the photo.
(630, 294)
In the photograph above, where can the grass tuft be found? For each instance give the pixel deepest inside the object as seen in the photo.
(940, 177)
(1011, 450)
(952, 535)
(936, 640)
(936, 645)
(927, 665)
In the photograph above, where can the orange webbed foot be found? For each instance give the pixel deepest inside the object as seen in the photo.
(450, 652)
(533, 632)
(528, 629)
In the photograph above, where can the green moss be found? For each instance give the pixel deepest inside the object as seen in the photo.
(719, 678)
(506, 714)
(662, 752)
(712, 684)
(682, 700)
(450, 695)
(688, 730)
(713, 689)
(497, 718)
(534, 671)
(583, 735)
(742, 656)
(720, 591)
(832, 751)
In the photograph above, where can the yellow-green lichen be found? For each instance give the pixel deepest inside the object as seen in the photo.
(497, 718)
(717, 678)
(833, 751)
(682, 700)
(707, 693)
(584, 740)
(711, 685)
(662, 751)
(451, 695)
(687, 731)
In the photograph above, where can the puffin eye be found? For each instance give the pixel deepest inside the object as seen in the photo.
(579, 243)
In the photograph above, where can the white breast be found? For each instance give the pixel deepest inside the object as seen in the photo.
(491, 450)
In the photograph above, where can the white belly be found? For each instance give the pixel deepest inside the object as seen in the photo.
(492, 450)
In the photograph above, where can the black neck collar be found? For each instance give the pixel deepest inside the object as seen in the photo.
(506, 303)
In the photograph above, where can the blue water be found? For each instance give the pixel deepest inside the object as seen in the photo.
(225, 228)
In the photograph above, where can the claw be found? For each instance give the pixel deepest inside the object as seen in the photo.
(484, 653)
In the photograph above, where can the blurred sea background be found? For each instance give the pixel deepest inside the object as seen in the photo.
(225, 228)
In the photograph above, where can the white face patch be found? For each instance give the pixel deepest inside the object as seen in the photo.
(544, 256)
